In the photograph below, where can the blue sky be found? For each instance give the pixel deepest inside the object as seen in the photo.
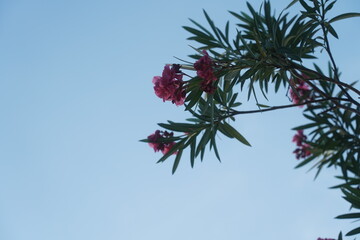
(75, 98)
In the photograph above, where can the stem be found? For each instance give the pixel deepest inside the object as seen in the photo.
(332, 60)
(334, 100)
(290, 106)
(324, 78)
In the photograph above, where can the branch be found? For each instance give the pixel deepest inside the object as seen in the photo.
(328, 50)
(325, 78)
(334, 100)
(292, 105)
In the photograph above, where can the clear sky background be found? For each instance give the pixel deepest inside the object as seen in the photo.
(75, 98)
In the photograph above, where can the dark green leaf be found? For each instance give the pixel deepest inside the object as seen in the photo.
(234, 133)
(305, 126)
(175, 148)
(245, 44)
(330, 6)
(331, 30)
(340, 236)
(304, 162)
(344, 16)
(177, 161)
(292, 3)
(197, 32)
(353, 232)
(262, 105)
(227, 30)
(307, 7)
(212, 25)
(349, 215)
(193, 98)
(192, 152)
(181, 127)
(201, 27)
(204, 140)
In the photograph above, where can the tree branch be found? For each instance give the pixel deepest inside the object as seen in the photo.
(292, 105)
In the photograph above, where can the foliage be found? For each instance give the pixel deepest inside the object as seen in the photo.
(267, 51)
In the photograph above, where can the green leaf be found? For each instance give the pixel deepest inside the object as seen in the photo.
(229, 76)
(307, 160)
(201, 27)
(192, 153)
(164, 140)
(318, 69)
(223, 37)
(177, 161)
(176, 147)
(330, 6)
(180, 127)
(340, 236)
(277, 83)
(331, 30)
(292, 3)
(213, 143)
(307, 7)
(191, 138)
(354, 200)
(353, 232)
(236, 104)
(204, 140)
(232, 100)
(234, 133)
(262, 105)
(208, 43)
(305, 126)
(344, 16)
(223, 131)
(227, 30)
(245, 44)
(212, 25)
(349, 215)
(193, 98)
(197, 32)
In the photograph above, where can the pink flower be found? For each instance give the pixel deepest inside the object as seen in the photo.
(155, 141)
(303, 149)
(302, 90)
(168, 147)
(170, 86)
(299, 138)
(204, 69)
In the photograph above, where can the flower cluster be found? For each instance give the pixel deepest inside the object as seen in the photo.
(170, 86)
(303, 149)
(302, 90)
(204, 69)
(157, 143)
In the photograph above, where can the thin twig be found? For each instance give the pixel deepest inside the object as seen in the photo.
(290, 106)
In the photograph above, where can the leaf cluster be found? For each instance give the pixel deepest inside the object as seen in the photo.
(268, 51)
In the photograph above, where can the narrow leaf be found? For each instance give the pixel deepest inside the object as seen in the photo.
(176, 147)
(233, 132)
(292, 3)
(344, 16)
(340, 236)
(177, 161)
(262, 105)
(192, 153)
(349, 215)
(353, 232)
